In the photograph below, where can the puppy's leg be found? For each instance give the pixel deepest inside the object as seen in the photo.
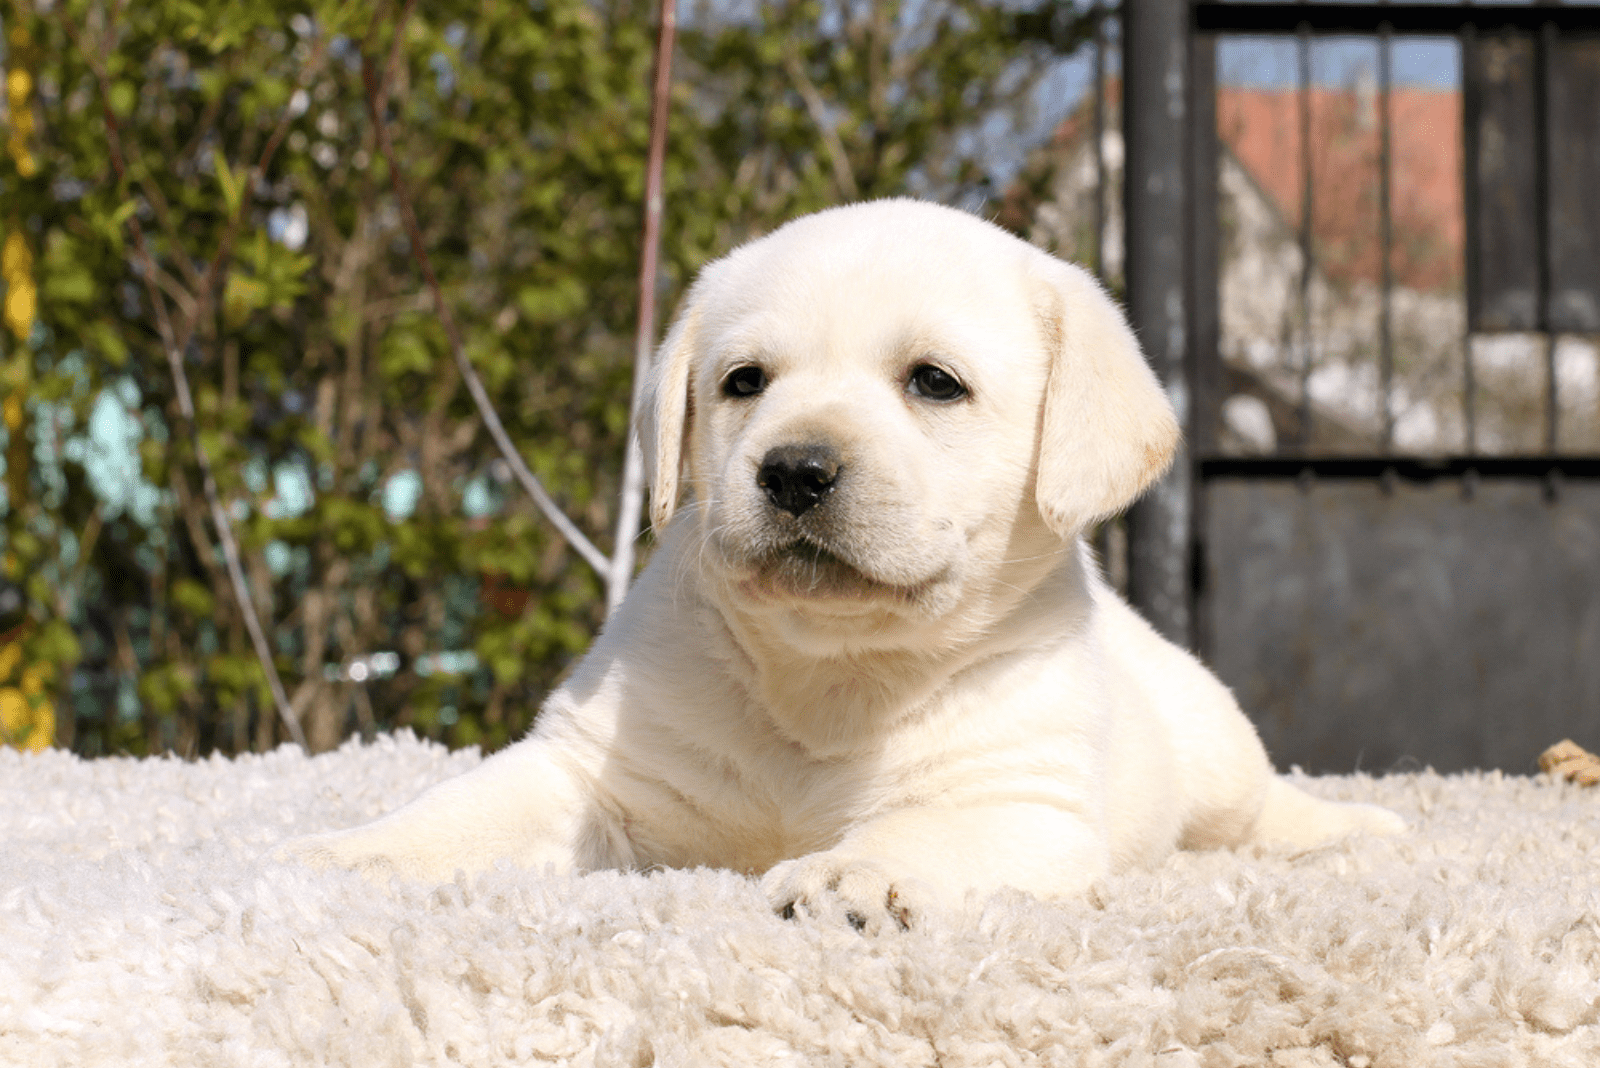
(1293, 818)
(524, 804)
(893, 867)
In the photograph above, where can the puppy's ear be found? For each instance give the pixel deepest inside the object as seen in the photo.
(1108, 430)
(665, 413)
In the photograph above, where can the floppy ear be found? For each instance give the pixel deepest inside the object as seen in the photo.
(1108, 430)
(665, 413)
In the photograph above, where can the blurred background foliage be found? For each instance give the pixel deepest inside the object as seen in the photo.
(401, 577)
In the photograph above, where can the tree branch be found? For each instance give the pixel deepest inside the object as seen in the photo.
(843, 176)
(631, 502)
(530, 482)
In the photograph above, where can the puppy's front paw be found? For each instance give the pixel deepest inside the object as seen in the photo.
(848, 889)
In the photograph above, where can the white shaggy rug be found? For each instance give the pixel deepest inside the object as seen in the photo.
(139, 925)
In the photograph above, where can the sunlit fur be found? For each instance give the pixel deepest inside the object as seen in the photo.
(919, 687)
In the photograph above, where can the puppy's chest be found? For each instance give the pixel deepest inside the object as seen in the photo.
(750, 810)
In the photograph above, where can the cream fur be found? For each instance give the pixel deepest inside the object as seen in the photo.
(919, 687)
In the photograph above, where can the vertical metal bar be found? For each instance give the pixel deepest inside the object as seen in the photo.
(1470, 117)
(1205, 254)
(1385, 236)
(1099, 16)
(1155, 42)
(1469, 198)
(1307, 190)
(1101, 540)
(1205, 359)
(1552, 395)
(1543, 49)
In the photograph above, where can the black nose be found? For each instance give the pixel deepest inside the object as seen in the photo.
(796, 477)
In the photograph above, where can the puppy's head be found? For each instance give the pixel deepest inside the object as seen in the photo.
(889, 412)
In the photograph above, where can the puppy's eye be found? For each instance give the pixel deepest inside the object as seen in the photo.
(935, 383)
(744, 381)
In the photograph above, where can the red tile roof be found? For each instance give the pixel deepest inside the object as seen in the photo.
(1262, 129)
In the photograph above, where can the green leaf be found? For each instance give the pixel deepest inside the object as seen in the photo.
(229, 184)
(103, 338)
(404, 352)
(193, 598)
(164, 686)
(556, 300)
(54, 643)
(123, 98)
(242, 297)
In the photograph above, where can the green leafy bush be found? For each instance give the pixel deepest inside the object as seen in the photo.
(401, 578)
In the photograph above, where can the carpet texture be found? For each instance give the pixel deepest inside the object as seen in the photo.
(139, 925)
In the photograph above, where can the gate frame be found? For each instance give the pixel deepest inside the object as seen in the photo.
(1172, 258)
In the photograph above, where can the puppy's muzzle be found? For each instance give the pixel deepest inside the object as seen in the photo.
(796, 478)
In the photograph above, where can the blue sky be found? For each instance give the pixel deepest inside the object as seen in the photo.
(1273, 62)
(1267, 62)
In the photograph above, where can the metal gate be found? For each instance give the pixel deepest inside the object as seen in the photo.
(1372, 602)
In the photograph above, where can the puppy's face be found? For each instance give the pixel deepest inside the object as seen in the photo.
(863, 423)
(863, 401)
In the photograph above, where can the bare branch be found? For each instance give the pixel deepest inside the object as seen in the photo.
(392, 64)
(843, 176)
(631, 503)
(217, 271)
(530, 482)
(187, 306)
(163, 212)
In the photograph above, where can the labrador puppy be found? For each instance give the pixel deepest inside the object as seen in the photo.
(871, 657)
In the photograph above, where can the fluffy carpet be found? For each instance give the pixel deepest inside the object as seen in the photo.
(139, 925)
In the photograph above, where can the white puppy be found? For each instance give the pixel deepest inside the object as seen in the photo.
(871, 657)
